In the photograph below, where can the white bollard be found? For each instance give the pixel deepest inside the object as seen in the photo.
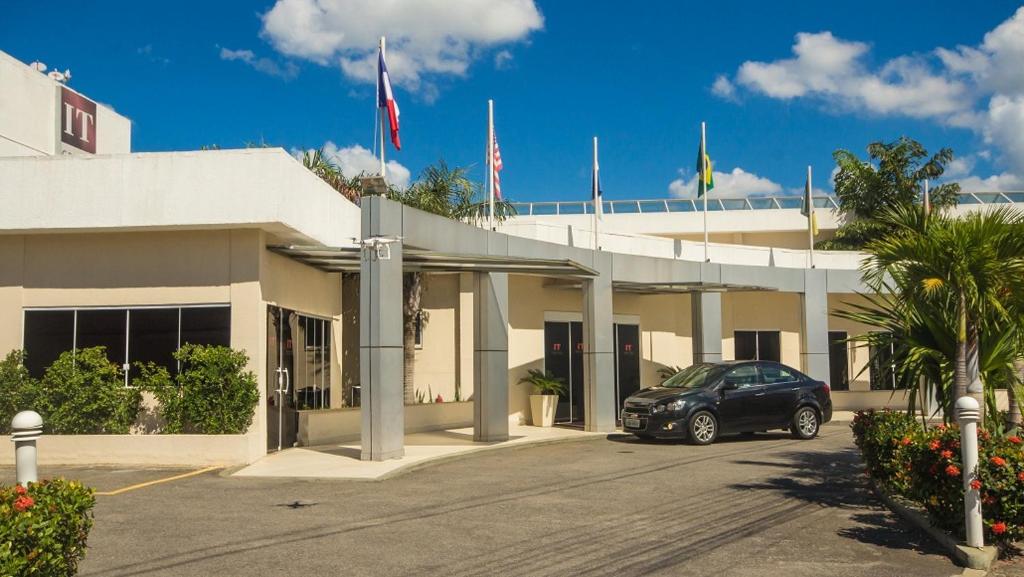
(26, 427)
(968, 413)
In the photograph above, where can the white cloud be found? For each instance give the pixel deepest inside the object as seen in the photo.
(976, 87)
(287, 71)
(1004, 182)
(959, 167)
(503, 60)
(425, 37)
(727, 184)
(355, 160)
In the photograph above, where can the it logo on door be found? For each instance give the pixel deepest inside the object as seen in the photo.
(556, 347)
(77, 120)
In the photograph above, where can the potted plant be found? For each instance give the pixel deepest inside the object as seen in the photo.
(544, 400)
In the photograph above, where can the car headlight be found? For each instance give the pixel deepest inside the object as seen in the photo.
(677, 405)
(658, 409)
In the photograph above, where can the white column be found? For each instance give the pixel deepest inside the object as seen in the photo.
(490, 356)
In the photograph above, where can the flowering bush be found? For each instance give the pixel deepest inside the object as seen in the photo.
(924, 465)
(44, 527)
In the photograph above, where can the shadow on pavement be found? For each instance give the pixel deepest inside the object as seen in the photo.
(833, 480)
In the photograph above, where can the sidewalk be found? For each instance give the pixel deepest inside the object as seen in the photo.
(421, 449)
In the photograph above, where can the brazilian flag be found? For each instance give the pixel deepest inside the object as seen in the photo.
(705, 176)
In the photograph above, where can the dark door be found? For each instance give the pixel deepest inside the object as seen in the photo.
(838, 361)
(627, 361)
(576, 362)
(557, 361)
(734, 407)
(282, 417)
(781, 392)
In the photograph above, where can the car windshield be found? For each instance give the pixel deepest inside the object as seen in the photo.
(695, 376)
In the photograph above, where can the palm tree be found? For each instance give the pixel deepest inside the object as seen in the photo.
(449, 192)
(953, 276)
(328, 171)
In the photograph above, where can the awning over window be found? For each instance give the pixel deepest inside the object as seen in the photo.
(347, 259)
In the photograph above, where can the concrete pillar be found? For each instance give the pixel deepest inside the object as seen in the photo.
(707, 326)
(380, 334)
(815, 316)
(490, 357)
(599, 351)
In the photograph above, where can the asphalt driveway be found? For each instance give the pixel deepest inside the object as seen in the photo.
(766, 506)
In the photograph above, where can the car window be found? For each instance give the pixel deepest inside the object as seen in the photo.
(743, 376)
(772, 374)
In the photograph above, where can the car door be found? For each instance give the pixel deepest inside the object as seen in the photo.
(734, 404)
(781, 392)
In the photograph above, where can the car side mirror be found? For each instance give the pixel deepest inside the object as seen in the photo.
(729, 386)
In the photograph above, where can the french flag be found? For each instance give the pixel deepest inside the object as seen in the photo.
(386, 99)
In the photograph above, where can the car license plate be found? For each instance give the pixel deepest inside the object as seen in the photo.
(631, 423)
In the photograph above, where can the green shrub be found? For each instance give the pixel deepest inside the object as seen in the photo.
(82, 392)
(18, 390)
(44, 527)
(213, 393)
(925, 466)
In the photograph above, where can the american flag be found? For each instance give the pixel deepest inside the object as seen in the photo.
(497, 166)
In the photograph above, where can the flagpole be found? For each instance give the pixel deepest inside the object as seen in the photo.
(702, 186)
(381, 114)
(490, 164)
(595, 196)
(810, 216)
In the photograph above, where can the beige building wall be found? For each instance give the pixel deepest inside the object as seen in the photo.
(763, 311)
(858, 355)
(437, 359)
(781, 239)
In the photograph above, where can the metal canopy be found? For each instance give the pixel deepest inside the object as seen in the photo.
(665, 288)
(347, 259)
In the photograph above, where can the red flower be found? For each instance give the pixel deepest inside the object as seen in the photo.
(934, 445)
(23, 503)
(984, 435)
(1014, 439)
(941, 427)
(988, 499)
(947, 454)
(20, 490)
(906, 441)
(975, 484)
(953, 470)
(998, 461)
(1020, 476)
(998, 528)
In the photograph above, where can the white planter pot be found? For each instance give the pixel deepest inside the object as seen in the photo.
(542, 410)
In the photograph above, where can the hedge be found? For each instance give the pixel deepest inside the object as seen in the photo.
(44, 527)
(924, 465)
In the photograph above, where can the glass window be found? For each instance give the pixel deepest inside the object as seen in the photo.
(103, 328)
(769, 346)
(773, 373)
(47, 335)
(838, 361)
(153, 338)
(695, 376)
(743, 376)
(206, 326)
(418, 335)
(882, 368)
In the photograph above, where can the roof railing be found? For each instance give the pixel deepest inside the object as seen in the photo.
(662, 205)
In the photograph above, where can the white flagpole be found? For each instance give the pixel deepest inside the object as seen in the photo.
(702, 186)
(596, 197)
(490, 164)
(927, 199)
(381, 112)
(810, 216)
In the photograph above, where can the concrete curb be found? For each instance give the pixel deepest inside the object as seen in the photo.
(970, 557)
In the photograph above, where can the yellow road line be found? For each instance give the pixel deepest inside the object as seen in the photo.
(155, 482)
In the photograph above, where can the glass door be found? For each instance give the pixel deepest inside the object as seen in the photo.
(627, 362)
(282, 417)
(563, 358)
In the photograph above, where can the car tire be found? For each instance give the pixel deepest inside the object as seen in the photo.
(703, 428)
(806, 423)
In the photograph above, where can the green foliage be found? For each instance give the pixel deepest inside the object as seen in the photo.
(18, 390)
(892, 177)
(449, 192)
(942, 287)
(44, 527)
(924, 465)
(82, 393)
(544, 383)
(213, 393)
(329, 171)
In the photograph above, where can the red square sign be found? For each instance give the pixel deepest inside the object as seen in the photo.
(77, 120)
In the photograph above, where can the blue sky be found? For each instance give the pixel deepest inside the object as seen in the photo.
(639, 75)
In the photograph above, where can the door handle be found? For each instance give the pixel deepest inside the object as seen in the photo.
(761, 394)
(287, 381)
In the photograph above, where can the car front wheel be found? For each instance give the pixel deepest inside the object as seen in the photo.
(703, 428)
(805, 423)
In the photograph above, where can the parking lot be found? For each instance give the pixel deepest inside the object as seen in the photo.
(768, 506)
